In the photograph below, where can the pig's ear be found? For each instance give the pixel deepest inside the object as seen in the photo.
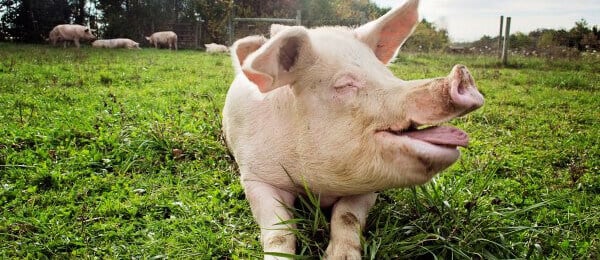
(244, 47)
(275, 63)
(386, 34)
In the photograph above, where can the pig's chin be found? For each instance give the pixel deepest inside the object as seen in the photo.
(433, 147)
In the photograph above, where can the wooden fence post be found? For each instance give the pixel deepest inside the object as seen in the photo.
(198, 38)
(506, 43)
(298, 17)
(230, 24)
(500, 37)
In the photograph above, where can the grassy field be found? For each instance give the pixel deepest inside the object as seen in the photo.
(117, 154)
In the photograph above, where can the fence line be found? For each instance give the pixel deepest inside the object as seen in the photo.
(235, 20)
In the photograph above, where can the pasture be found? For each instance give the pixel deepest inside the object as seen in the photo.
(118, 154)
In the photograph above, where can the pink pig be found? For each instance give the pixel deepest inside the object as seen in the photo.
(116, 43)
(318, 108)
(70, 32)
(216, 48)
(166, 38)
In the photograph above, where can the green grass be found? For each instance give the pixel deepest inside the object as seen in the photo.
(118, 154)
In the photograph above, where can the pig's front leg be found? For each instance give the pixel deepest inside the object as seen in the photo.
(347, 222)
(270, 207)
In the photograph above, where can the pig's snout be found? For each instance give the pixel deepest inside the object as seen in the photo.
(463, 90)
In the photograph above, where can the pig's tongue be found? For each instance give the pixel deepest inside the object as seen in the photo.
(441, 135)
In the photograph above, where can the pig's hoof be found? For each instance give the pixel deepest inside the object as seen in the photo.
(344, 251)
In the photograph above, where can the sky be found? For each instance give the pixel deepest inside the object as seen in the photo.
(469, 20)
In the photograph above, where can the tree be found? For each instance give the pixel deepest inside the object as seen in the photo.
(31, 20)
(577, 33)
(590, 41)
(521, 41)
(6, 17)
(78, 11)
(314, 12)
(134, 19)
(427, 37)
(486, 43)
(339, 12)
(265, 8)
(216, 16)
(546, 39)
(318, 12)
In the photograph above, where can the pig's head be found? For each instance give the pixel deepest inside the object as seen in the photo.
(88, 34)
(351, 117)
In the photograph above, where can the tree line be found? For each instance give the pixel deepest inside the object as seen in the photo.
(31, 20)
(582, 37)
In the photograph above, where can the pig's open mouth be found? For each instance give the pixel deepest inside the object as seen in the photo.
(435, 147)
(438, 135)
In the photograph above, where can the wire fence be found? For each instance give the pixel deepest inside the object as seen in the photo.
(242, 27)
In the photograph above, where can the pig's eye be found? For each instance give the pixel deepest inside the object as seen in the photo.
(346, 85)
(345, 91)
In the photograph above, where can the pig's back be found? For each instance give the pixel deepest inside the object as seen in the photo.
(100, 43)
(70, 31)
(164, 35)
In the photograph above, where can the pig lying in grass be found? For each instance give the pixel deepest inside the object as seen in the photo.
(166, 38)
(116, 43)
(70, 32)
(215, 48)
(318, 109)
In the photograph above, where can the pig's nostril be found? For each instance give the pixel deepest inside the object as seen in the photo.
(461, 88)
(463, 91)
(463, 76)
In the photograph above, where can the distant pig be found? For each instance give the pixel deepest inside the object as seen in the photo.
(215, 48)
(116, 43)
(166, 38)
(70, 32)
(318, 109)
